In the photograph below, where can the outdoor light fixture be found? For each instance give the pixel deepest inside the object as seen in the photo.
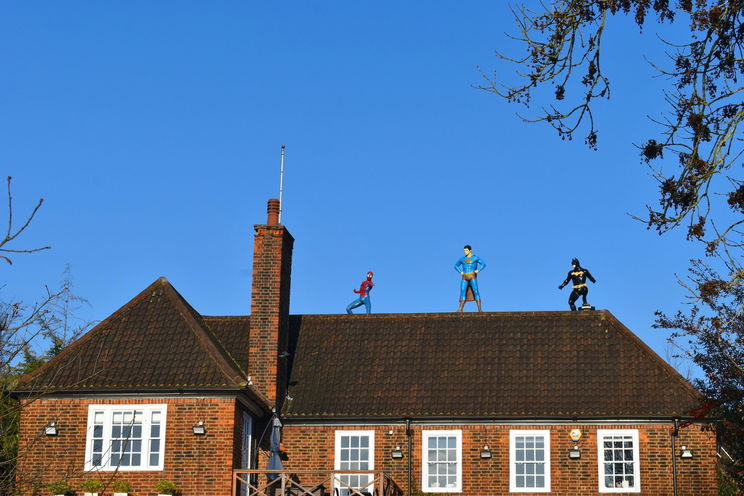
(396, 453)
(199, 429)
(51, 429)
(485, 452)
(685, 452)
(574, 453)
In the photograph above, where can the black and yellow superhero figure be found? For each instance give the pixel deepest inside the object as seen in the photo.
(578, 276)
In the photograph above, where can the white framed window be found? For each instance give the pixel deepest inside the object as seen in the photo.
(617, 452)
(355, 450)
(125, 437)
(442, 461)
(529, 461)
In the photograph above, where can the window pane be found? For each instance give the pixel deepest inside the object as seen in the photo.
(364, 442)
(154, 457)
(451, 442)
(432, 443)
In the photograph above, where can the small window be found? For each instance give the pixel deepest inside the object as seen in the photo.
(355, 450)
(442, 461)
(125, 437)
(619, 471)
(529, 461)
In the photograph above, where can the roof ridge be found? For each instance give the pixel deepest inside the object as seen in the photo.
(670, 371)
(92, 332)
(206, 337)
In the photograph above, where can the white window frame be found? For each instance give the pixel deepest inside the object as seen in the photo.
(425, 435)
(337, 454)
(513, 434)
(108, 411)
(601, 435)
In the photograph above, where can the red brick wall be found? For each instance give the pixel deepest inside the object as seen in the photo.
(312, 448)
(272, 265)
(200, 465)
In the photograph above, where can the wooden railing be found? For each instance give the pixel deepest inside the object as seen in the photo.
(312, 483)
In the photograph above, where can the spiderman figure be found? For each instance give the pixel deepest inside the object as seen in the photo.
(363, 291)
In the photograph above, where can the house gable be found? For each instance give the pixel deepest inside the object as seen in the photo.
(157, 341)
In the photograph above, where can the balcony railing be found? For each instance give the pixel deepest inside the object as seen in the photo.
(313, 483)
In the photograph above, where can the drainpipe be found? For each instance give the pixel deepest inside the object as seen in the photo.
(409, 434)
(675, 432)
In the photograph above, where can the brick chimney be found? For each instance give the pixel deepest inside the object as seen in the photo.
(269, 323)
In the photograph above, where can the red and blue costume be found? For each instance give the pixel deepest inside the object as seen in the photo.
(363, 291)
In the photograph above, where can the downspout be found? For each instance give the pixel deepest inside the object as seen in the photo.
(409, 434)
(675, 432)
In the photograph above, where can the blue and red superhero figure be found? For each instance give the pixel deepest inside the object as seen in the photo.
(469, 266)
(578, 275)
(363, 291)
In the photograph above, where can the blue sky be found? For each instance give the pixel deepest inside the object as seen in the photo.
(153, 130)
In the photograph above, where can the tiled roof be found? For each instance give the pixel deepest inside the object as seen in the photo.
(480, 365)
(157, 341)
(520, 364)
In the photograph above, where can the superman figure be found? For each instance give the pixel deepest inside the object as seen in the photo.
(468, 267)
(578, 276)
(363, 291)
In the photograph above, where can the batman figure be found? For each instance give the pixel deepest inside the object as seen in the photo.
(578, 276)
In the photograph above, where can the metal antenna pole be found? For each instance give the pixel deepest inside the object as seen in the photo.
(281, 184)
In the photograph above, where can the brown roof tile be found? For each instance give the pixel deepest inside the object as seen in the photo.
(534, 364)
(157, 341)
(519, 364)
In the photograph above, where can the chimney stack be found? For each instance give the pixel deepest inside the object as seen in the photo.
(269, 321)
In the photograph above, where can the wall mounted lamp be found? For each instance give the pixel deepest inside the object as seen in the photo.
(574, 453)
(50, 429)
(397, 453)
(485, 452)
(199, 429)
(685, 452)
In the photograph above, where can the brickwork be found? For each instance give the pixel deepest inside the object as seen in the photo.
(200, 465)
(312, 448)
(272, 265)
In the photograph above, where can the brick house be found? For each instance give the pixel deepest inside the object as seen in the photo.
(568, 403)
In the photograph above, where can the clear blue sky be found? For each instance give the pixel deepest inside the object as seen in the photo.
(153, 130)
